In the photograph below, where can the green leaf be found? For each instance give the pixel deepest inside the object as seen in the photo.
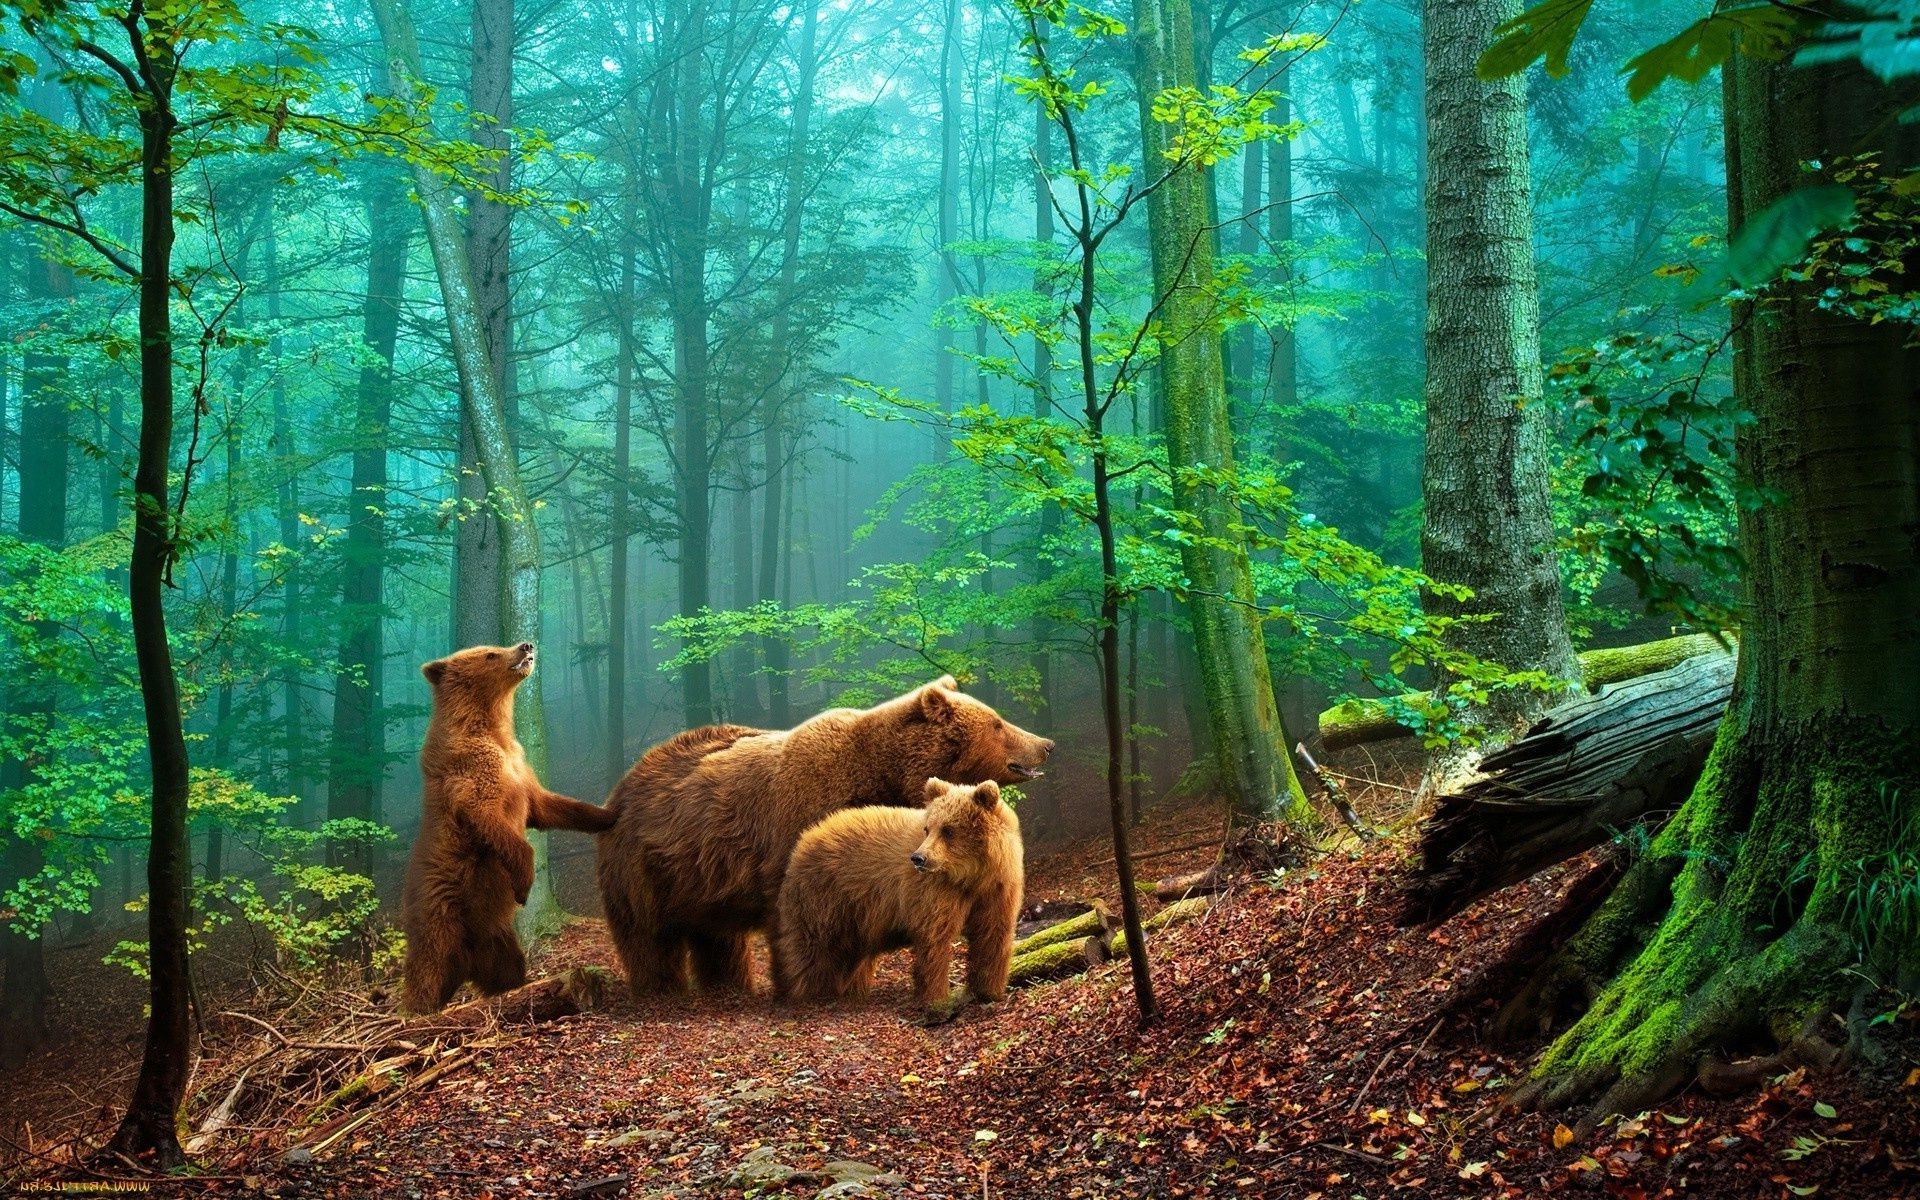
(1543, 31)
(1822, 1109)
(1763, 31)
(1778, 234)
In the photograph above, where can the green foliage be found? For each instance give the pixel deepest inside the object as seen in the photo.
(1648, 487)
(307, 912)
(1859, 262)
(1780, 233)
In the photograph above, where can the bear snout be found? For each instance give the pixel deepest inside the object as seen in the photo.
(919, 860)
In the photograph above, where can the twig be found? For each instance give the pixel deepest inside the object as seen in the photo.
(1351, 1152)
(1336, 795)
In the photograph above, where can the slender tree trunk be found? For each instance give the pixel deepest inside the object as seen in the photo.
(1282, 365)
(1489, 523)
(1756, 913)
(481, 398)
(293, 731)
(1250, 746)
(44, 448)
(1049, 533)
(1240, 353)
(359, 719)
(621, 519)
(948, 284)
(151, 1121)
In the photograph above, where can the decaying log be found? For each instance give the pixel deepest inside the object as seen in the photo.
(1097, 920)
(1209, 882)
(1589, 768)
(1354, 722)
(580, 990)
(1057, 960)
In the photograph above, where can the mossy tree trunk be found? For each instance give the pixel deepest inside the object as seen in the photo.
(1739, 924)
(482, 400)
(1249, 745)
(1488, 524)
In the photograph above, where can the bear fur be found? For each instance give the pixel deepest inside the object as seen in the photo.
(472, 864)
(868, 880)
(707, 820)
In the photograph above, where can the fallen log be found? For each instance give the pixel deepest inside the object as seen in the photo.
(1057, 961)
(1586, 770)
(581, 989)
(1353, 722)
(1098, 919)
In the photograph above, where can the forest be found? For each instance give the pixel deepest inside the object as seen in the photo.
(1369, 549)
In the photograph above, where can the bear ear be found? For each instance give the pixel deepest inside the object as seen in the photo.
(987, 795)
(935, 789)
(435, 671)
(946, 681)
(935, 704)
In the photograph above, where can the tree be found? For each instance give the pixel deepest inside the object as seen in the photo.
(484, 404)
(1766, 904)
(1488, 522)
(359, 716)
(45, 450)
(1250, 747)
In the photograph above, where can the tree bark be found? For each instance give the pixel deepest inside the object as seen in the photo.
(481, 399)
(1488, 521)
(359, 720)
(947, 285)
(478, 597)
(620, 521)
(150, 1123)
(1249, 745)
(1741, 921)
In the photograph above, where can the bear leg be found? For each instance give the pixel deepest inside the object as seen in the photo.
(651, 956)
(860, 982)
(932, 968)
(499, 964)
(721, 961)
(989, 930)
(435, 967)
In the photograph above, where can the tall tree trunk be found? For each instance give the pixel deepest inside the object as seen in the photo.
(1250, 747)
(1043, 567)
(620, 522)
(359, 718)
(43, 457)
(293, 731)
(151, 1121)
(1488, 520)
(1743, 920)
(481, 398)
(948, 284)
(1282, 361)
(1241, 389)
(478, 597)
(691, 208)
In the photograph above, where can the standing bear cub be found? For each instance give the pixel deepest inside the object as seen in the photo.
(471, 862)
(708, 819)
(869, 880)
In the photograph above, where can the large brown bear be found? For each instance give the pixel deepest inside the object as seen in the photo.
(471, 862)
(707, 820)
(868, 880)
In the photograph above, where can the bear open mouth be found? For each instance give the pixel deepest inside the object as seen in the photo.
(1024, 771)
(524, 663)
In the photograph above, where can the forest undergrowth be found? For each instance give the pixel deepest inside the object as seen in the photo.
(1309, 1048)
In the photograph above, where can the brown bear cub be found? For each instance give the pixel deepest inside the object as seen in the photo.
(708, 819)
(868, 880)
(471, 862)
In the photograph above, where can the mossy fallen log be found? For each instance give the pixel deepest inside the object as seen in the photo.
(1353, 722)
(1177, 913)
(1057, 960)
(1097, 920)
(1588, 769)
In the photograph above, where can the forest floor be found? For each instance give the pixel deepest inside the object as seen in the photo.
(1309, 1048)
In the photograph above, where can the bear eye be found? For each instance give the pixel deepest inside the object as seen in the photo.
(946, 833)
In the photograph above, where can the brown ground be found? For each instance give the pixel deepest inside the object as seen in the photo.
(1308, 1049)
